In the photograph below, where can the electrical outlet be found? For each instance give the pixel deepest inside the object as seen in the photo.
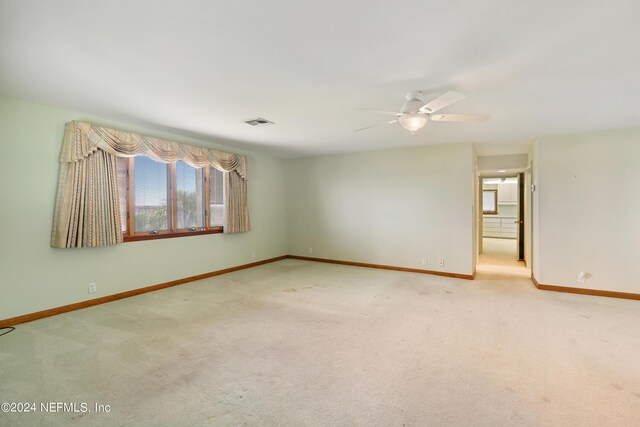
(441, 263)
(253, 255)
(425, 261)
(582, 277)
(92, 287)
(310, 250)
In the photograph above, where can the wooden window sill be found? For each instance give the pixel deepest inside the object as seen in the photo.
(147, 236)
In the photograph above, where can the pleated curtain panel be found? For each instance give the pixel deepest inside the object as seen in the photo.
(87, 209)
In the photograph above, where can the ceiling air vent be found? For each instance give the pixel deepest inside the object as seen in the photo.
(259, 121)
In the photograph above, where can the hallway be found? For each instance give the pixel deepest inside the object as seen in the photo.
(499, 257)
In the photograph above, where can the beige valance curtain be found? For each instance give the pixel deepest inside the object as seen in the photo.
(87, 204)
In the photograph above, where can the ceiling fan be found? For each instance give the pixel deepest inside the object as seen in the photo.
(415, 113)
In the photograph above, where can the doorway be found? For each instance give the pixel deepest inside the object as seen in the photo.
(501, 230)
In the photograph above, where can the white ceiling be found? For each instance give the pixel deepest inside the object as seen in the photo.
(202, 67)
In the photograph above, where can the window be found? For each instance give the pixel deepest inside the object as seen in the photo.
(150, 196)
(490, 202)
(189, 196)
(159, 200)
(216, 198)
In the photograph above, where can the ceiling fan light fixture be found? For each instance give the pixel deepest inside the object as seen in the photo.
(412, 121)
(414, 114)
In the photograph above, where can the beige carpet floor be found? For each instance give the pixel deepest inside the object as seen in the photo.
(300, 343)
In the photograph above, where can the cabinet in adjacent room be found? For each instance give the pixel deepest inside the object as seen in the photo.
(507, 193)
(503, 227)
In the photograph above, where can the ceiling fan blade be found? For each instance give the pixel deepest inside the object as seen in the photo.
(365, 128)
(375, 126)
(392, 113)
(441, 102)
(459, 117)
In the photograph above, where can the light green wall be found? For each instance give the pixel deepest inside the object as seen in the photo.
(34, 276)
(386, 207)
(510, 161)
(589, 206)
(534, 156)
(390, 207)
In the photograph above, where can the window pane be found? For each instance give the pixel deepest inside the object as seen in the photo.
(489, 202)
(190, 196)
(122, 190)
(150, 195)
(216, 207)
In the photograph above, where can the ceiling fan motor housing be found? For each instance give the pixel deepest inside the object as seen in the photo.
(411, 105)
